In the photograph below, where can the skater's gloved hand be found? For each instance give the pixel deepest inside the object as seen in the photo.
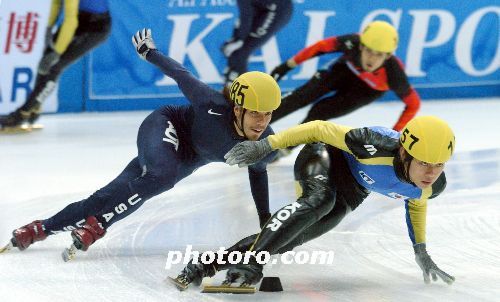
(143, 42)
(49, 59)
(428, 266)
(231, 46)
(279, 71)
(248, 152)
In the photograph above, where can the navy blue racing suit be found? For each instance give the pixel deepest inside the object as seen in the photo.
(172, 142)
(259, 20)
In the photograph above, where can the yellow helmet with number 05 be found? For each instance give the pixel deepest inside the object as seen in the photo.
(380, 36)
(428, 139)
(256, 91)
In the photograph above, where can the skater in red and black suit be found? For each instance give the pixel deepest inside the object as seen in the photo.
(364, 72)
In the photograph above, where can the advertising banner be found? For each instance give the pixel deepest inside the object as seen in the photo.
(22, 32)
(450, 49)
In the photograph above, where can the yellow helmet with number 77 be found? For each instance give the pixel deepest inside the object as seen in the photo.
(256, 91)
(428, 139)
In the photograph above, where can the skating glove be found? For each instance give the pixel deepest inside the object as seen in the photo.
(143, 42)
(248, 152)
(231, 46)
(279, 71)
(49, 59)
(428, 266)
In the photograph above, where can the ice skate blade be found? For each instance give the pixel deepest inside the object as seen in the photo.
(69, 253)
(6, 248)
(180, 286)
(227, 289)
(21, 129)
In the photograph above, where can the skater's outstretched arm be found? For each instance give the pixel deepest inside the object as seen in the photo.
(398, 82)
(195, 90)
(328, 45)
(416, 212)
(249, 152)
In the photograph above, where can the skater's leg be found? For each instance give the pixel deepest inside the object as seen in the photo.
(265, 23)
(73, 216)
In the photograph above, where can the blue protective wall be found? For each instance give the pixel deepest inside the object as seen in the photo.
(451, 48)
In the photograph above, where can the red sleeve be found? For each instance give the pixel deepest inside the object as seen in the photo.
(412, 101)
(318, 48)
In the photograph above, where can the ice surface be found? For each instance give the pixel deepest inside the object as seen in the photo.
(78, 153)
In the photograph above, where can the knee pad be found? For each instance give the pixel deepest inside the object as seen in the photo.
(318, 195)
(312, 161)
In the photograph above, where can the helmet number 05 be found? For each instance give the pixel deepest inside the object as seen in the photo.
(237, 93)
(413, 137)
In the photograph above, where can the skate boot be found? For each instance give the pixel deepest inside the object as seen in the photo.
(24, 236)
(89, 233)
(229, 76)
(193, 273)
(230, 46)
(246, 274)
(27, 114)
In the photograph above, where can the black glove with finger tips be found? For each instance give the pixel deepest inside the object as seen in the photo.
(143, 42)
(279, 71)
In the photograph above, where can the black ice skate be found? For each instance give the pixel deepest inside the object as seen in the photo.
(21, 120)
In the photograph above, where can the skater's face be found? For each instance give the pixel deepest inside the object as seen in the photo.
(254, 122)
(372, 60)
(423, 174)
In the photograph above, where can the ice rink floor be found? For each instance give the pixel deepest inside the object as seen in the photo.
(78, 153)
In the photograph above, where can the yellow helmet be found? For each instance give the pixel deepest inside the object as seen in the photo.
(428, 139)
(255, 91)
(380, 36)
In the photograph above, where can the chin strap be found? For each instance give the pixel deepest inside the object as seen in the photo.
(242, 116)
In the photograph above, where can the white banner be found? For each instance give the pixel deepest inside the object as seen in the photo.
(22, 31)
